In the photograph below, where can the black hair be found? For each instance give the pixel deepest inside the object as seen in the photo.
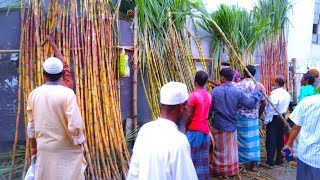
(53, 77)
(280, 80)
(309, 77)
(227, 73)
(251, 69)
(201, 78)
(292, 105)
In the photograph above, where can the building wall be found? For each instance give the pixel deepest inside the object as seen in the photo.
(9, 39)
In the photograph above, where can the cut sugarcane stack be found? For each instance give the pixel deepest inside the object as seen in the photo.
(164, 47)
(85, 32)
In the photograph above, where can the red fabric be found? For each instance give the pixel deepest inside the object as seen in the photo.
(286, 138)
(225, 154)
(67, 80)
(200, 100)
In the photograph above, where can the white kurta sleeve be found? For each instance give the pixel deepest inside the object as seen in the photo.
(30, 128)
(75, 124)
(133, 173)
(182, 167)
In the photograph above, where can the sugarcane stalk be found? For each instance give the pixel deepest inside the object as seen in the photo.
(14, 148)
(135, 70)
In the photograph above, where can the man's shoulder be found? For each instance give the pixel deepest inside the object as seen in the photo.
(181, 139)
(314, 100)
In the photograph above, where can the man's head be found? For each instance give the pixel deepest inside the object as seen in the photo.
(201, 78)
(173, 99)
(307, 79)
(226, 75)
(53, 69)
(315, 74)
(252, 71)
(278, 81)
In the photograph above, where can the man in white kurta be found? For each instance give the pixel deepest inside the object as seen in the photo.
(55, 124)
(161, 151)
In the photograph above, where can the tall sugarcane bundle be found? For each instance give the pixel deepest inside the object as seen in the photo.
(85, 33)
(240, 26)
(164, 47)
(274, 48)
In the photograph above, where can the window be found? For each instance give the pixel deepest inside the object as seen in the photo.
(315, 28)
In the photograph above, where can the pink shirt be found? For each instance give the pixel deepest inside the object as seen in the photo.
(200, 100)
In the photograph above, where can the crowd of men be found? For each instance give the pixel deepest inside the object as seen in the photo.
(234, 109)
(163, 150)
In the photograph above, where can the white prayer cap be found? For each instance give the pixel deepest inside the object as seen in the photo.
(53, 65)
(173, 93)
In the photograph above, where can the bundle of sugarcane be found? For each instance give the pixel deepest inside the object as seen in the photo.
(273, 53)
(240, 27)
(164, 47)
(86, 34)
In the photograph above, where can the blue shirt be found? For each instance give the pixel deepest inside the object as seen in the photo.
(226, 100)
(306, 91)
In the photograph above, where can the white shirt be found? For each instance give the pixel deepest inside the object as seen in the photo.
(161, 152)
(307, 115)
(281, 99)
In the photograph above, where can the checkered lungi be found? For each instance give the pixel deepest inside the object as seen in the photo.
(225, 153)
(199, 143)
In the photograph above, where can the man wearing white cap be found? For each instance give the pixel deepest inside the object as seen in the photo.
(55, 127)
(67, 80)
(161, 151)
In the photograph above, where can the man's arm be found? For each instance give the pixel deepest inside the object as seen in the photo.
(189, 113)
(215, 83)
(262, 107)
(250, 102)
(211, 107)
(56, 50)
(30, 127)
(181, 165)
(75, 124)
(292, 136)
(67, 77)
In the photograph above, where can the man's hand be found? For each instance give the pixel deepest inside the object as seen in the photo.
(33, 151)
(50, 39)
(290, 148)
(259, 87)
(264, 127)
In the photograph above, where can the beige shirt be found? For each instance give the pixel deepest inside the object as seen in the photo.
(56, 124)
(53, 112)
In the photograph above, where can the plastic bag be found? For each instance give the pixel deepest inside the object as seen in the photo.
(124, 66)
(32, 170)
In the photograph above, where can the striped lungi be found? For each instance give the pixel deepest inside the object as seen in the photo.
(248, 139)
(199, 143)
(225, 154)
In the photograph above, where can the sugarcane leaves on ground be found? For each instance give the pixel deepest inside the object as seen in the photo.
(5, 163)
